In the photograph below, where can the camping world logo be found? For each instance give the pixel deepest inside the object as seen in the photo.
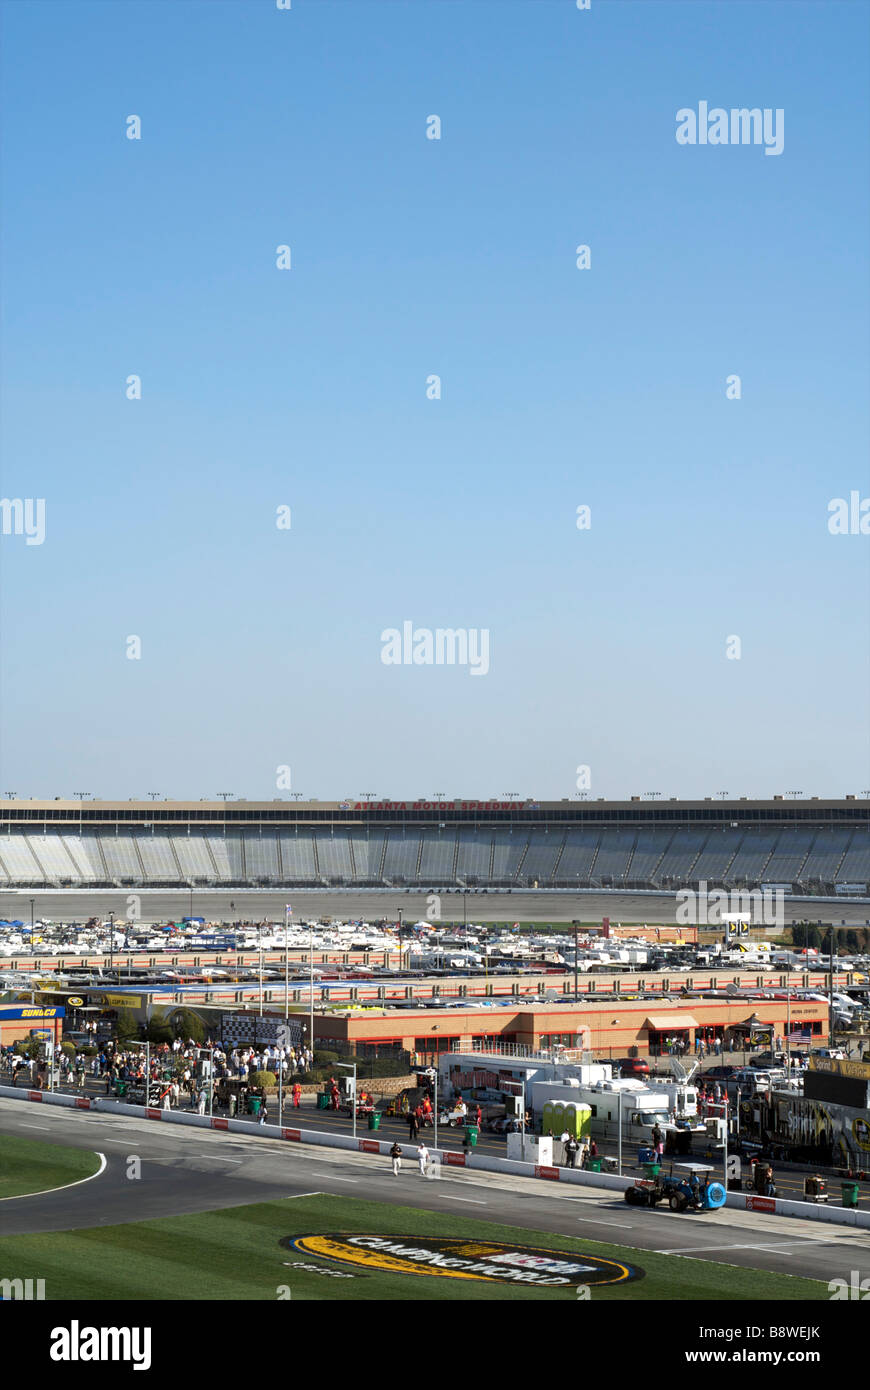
(491, 1261)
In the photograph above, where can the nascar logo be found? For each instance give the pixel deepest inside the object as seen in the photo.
(459, 1258)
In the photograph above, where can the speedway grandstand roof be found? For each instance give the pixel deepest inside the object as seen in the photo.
(526, 810)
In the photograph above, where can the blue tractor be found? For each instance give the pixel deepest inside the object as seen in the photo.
(689, 1189)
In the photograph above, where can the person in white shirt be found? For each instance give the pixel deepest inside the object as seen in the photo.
(423, 1158)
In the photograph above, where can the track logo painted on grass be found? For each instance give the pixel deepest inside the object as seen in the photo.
(459, 1258)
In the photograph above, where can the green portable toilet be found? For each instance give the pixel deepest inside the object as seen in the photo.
(577, 1119)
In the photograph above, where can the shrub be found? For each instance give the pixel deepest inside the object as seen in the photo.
(325, 1059)
(267, 1079)
(127, 1025)
(186, 1024)
(159, 1031)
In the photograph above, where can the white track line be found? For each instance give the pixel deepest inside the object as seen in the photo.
(624, 1225)
(25, 1125)
(65, 1188)
(335, 1177)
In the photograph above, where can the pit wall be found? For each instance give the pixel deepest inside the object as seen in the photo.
(776, 1206)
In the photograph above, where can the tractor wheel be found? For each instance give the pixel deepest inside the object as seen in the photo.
(678, 1201)
(632, 1196)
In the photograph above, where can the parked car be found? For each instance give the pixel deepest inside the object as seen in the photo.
(632, 1066)
(768, 1059)
(717, 1074)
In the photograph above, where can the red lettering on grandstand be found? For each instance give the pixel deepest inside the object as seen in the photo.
(82, 1103)
(291, 1134)
(551, 1173)
(454, 1160)
(151, 1113)
(218, 1123)
(34, 1095)
(369, 1146)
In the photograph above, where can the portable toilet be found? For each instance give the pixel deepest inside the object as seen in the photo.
(577, 1119)
(553, 1117)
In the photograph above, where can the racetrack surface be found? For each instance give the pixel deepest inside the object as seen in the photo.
(201, 1170)
(239, 904)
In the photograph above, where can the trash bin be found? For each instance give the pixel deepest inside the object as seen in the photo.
(323, 1100)
(471, 1133)
(375, 1120)
(594, 1165)
(254, 1104)
(849, 1192)
(650, 1170)
(646, 1155)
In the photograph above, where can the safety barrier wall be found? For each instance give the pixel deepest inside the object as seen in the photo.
(475, 1162)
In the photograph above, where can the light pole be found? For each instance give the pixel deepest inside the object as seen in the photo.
(351, 1066)
(260, 949)
(311, 990)
(435, 1109)
(210, 1051)
(288, 912)
(523, 1115)
(111, 942)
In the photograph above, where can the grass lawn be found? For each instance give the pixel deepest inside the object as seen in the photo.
(237, 1254)
(27, 1165)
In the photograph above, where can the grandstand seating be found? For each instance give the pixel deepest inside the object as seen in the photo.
(431, 856)
(400, 860)
(436, 861)
(855, 864)
(713, 861)
(540, 857)
(611, 861)
(333, 855)
(578, 855)
(824, 858)
(508, 848)
(475, 853)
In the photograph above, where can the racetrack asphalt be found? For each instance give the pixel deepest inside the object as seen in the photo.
(185, 1171)
(520, 905)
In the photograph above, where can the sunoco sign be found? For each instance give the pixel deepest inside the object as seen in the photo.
(459, 1258)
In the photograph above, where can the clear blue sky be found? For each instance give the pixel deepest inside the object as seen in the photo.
(261, 647)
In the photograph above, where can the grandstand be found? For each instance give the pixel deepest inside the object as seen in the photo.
(812, 846)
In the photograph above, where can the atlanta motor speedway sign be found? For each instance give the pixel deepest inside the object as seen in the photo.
(461, 1258)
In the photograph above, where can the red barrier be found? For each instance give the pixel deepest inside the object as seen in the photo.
(34, 1095)
(82, 1103)
(151, 1113)
(551, 1173)
(454, 1160)
(369, 1146)
(295, 1134)
(218, 1123)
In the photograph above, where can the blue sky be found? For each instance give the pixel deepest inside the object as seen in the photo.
(261, 647)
